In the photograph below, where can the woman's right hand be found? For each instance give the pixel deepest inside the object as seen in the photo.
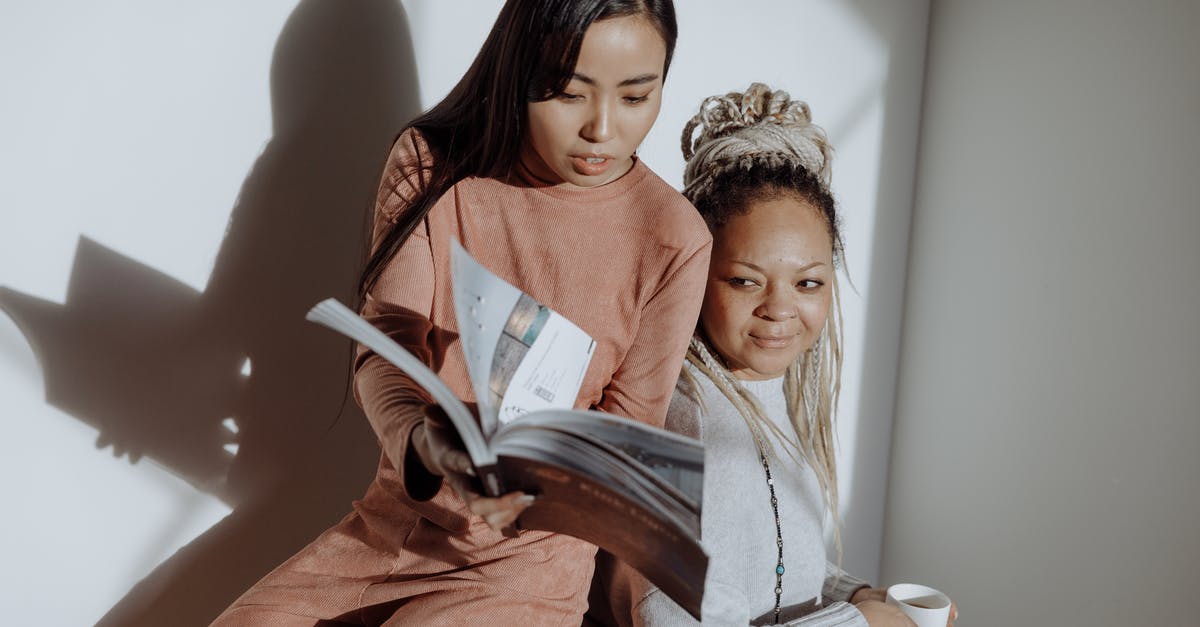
(880, 614)
(441, 452)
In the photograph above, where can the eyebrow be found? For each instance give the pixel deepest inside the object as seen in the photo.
(641, 79)
(803, 268)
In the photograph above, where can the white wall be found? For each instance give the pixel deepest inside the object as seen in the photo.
(183, 180)
(1044, 463)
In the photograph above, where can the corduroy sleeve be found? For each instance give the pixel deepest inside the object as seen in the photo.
(399, 304)
(641, 387)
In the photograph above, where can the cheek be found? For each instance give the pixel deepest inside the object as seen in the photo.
(710, 322)
(545, 123)
(720, 317)
(639, 121)
(813, 314)
(543, 142)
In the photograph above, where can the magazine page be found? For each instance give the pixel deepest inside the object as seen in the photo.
(483, 303)
(342, 319)
(675, 459)
(595, 461)
(521, 355)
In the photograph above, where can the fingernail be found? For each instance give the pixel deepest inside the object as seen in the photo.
(462, 463)
(526, 499)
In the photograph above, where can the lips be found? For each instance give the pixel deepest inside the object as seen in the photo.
(772, 341)
(591, 165)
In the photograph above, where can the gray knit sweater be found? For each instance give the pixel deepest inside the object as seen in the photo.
(738, 526)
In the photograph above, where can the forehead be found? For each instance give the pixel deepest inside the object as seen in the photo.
(619, 48)
(779, 230)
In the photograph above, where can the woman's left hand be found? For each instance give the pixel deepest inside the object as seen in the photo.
(868, 594)
(441, 452)
(880, 594)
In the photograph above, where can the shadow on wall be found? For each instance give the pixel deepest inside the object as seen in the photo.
(900, 30)
(179, 376)
(895, 26)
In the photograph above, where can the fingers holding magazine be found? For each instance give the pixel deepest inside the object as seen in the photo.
(441, 451)
(439, 447)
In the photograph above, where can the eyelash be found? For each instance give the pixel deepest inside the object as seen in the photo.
(743, 282)
(632, 100)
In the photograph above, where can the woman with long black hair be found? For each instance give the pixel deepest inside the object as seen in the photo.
(530, 163)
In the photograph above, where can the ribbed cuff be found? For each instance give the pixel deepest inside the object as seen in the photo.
(419, 483)
(839, 585)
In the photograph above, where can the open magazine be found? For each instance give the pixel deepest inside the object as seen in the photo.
(627, 487)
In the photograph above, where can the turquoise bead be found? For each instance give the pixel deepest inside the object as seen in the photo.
(779, 569)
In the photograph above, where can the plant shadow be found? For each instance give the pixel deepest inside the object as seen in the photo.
(230, 388)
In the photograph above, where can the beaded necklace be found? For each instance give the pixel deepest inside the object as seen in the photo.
(778, 533)
(756, 431)
(759, 436)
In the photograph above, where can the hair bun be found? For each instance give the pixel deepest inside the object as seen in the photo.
(759, 125)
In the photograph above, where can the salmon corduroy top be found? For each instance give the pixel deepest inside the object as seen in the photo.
(626, 261)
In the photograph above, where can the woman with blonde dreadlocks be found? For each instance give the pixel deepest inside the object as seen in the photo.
(761, 380)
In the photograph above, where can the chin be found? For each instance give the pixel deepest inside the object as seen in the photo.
(584, 183)
(769, 369)
(762, 371)
(580, 180)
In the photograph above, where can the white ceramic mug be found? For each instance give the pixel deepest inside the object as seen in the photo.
(926, 606)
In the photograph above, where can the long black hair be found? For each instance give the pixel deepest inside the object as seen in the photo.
(477, 129)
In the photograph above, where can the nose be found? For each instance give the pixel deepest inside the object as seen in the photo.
(777, 306)
(598, 127)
